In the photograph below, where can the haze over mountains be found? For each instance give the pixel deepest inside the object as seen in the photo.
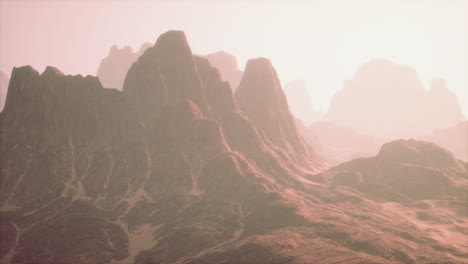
(300, 102)
(227, 67)
(454, 138)
(175, 168)
(386, 100)
(338, 144)
(114, 67)
(416, 115)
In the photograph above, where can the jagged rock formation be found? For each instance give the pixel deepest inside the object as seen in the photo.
(114, 67)
(300, 102)
(262, 99)
(227, 67)
(3, 89)
(172, 170)
(453, 138)
(338, 144)
(387, 100)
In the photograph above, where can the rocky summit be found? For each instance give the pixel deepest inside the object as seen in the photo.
(176, 169)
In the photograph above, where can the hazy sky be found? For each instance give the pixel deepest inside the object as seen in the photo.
(321, 42)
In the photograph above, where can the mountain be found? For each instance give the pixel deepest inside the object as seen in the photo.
(92, 175)
(227, 66)
(261, 98)
(300, 102)
(114, 67)
(387, 100)
(3, 89)
(175, 169)
(453, 138)
(338, 144)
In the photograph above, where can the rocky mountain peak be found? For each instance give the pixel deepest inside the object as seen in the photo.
(164, 75)
(261, 98)
(52, 71)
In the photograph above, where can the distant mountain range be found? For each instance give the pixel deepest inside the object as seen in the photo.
(387, 100)
(114, 67)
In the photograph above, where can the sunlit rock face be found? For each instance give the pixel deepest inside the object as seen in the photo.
(174, 169)
(387, 100)
(227, 67)
(3, 89)
(113, 68)
(300, 102)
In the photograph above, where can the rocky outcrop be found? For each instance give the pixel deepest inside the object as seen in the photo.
(114, 67)
(3, 89)
(227, 67)
(300, 102)
(387, 100)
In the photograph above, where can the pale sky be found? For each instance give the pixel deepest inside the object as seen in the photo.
(321, 42)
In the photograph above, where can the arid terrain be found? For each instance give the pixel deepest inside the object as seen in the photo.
(176, 167)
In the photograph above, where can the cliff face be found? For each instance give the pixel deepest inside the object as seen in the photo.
(387, 100)
(174, 169)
